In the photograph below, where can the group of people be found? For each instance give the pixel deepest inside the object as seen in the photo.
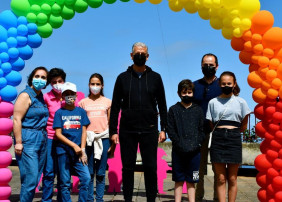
(62, 133)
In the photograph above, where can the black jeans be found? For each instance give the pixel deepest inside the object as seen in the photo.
(148, 144)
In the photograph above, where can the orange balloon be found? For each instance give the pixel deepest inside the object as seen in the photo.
(253, 67)
(272, 93)
(278, 54)
(258, 48)
(255, 58)
(247, 36)
(274, 63)
(254, 80)
(248, 46)
(265, 85)
(271, 74)
(268, 52)
(262, 21)
(263, 61)
(276, 83)
(256, 39)
(272, 38)
(280, 92)
(237, 44)
(279, 71)
(262, 72)
(259, 95)
(245, 57)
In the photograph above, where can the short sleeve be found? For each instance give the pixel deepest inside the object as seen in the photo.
(109, 104)
(84, 118)
(57, 123)
(245, 110)
(209, 114)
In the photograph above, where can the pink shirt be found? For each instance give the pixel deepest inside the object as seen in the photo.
(97, 112)
(53, 105)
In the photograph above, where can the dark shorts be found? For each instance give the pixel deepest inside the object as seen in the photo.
(226, 146)
(185, 166)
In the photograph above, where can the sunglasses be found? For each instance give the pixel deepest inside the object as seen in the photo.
(208, 65)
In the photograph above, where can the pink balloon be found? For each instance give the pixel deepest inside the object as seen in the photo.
(6, 109)
(5, 142)
(5, 192)
(6, 126)
(5, 159)
(5, 176)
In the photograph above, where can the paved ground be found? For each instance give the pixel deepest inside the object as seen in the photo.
(247, 189)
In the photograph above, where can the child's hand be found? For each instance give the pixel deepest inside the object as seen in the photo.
(83, 157)
(77, 150)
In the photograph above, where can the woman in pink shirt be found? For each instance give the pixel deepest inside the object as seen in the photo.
(98, 111)
(53, 99)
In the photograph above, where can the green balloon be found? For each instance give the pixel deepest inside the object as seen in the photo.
(46, 8)
(31, 17)
(95, 3)
(35, 9)
(69, 2)
(45, 30)
(20, 7)
(50, 2)
(109, 1)
(60, 2)
(125, 0)
(38, 2)
(67, 13)
(42, 18)
(80, 6)
(56, 21)
(56, 9)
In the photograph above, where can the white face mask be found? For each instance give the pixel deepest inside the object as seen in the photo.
(70, 99)
(95, 89)
(57, 87)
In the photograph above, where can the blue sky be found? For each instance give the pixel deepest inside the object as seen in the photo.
(100, 40)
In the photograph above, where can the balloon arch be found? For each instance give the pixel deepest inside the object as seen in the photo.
(250, 30)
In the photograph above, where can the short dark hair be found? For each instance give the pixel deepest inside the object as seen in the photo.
(236, 89)
(98, 76)
(55, 72)
(185, 84)
(31, 75)
(210, 54)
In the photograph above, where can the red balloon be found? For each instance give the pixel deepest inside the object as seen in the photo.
(269, 111)
(271, 155)
(246, 57)
(261, 163)
(277, 117)
(268, 136)
(278, 136)
(277, 164)
(237, 44)
(264, 145)
(278, 196)
(271, 200)
(262, 195)
(261, 179)
(260, 129)
(280, 153)
(275, 145)
(271, 173)
(279, 106)
(277, 183)
(270, 191)
(280, 172)
(270, 102)
(272, 128)
(259, 111)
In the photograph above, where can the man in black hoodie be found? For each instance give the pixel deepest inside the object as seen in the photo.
(137, 93)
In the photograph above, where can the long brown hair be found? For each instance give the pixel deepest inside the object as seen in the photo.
(236, 89)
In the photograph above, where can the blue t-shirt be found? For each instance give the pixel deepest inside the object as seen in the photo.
(71, 123)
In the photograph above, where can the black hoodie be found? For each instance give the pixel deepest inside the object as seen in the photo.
(138, 98)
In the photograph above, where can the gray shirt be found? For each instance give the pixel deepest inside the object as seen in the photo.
(237, 109)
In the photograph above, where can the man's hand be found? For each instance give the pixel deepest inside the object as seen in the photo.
(77, 150)
(162, 136)
(18, 149)
(114, 139)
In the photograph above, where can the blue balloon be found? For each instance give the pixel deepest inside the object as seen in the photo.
(8, 93)
(12, 32)
(6, 67)
(4, 57)
(3, 82)
(25, 52)
(17, 64)
(3, 34)
(22, 20)
(8, 19)
(3, 47)
(13, 53)
(32, 28)
(1, 73)
(12, 42)
(34, 41)
(13, 78)
(22, 41)
(22, 30)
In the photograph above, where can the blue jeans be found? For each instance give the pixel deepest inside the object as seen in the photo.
(66, 163)
(98, 167)
(32, 161)
(49, 172)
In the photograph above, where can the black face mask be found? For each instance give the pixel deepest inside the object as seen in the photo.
(187, 99)
(226, 90)
(139, 59)
(208, 71)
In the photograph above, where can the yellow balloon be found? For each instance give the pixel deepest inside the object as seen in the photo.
(237, 32)
(213, 12)
(216, 3)
(204, 13)
(199, 4)
(227, 32)
(236, 22)
(139, 1)
(248, 8)
(230, 3)
(155, 1)
(207, 3)
(246, 23)
(227, 22)
(222, 13)
(233, 13)
(175, 5)
(216, 23)
(190, 7)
